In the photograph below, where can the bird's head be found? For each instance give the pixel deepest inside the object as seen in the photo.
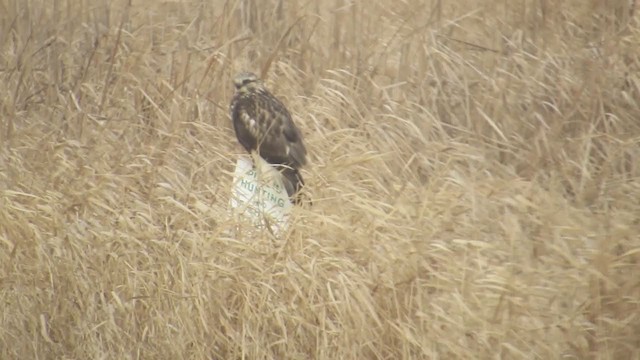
(244, 79)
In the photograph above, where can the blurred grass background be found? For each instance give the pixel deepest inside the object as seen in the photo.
(474, 172)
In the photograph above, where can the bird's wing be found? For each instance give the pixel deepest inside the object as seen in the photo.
(263, 123)
(282, 142)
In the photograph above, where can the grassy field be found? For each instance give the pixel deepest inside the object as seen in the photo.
(474, 170)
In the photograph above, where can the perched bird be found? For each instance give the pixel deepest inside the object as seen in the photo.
(263, 124)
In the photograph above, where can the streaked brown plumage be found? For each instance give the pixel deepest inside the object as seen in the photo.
(263, 124)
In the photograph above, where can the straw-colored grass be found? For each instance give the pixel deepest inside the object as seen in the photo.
(475, 176)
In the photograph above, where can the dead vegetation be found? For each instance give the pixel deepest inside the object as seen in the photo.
(475, 179)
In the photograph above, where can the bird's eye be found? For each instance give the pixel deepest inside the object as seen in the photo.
(246, 81)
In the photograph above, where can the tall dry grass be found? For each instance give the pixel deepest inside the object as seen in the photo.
(474, 171)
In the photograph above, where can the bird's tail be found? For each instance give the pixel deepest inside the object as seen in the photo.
(293, 183)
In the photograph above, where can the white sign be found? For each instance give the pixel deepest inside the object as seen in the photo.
(259, 194)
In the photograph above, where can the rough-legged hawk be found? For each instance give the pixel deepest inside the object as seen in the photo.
(263, 124)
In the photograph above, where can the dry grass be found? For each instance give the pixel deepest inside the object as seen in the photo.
(475, 175)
